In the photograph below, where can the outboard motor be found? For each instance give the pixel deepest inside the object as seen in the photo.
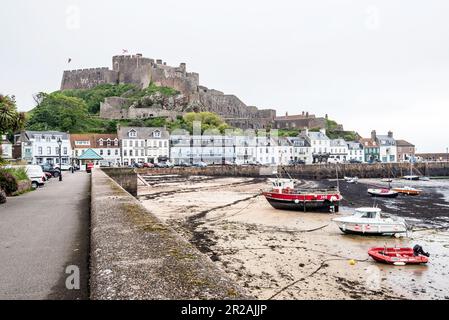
(417, 250)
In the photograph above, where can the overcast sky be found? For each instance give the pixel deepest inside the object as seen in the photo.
(380, 65)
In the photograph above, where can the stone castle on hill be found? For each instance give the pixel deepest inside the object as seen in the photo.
(141, 71)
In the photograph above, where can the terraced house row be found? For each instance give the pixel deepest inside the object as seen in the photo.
(132, 145)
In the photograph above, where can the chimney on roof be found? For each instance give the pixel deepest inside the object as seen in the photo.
(390, 134)
(373, 134)
(286, 114)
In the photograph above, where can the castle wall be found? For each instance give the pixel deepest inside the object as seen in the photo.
(144, 113)
(114, 108)
(300, 123)
(87, 78)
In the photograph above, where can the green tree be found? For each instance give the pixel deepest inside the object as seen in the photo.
(93, 97)
(10, 119)
(57, 111)
(209, 121)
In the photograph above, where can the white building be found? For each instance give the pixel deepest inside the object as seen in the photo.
(106, 146)
(387, 146)
(319, 143)
(301, 149)
(355, 151)
(143, 144)
(39, 147)
(285, 151)
(211, 149)
(338, 151)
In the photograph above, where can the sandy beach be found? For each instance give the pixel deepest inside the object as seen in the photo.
(276, 254)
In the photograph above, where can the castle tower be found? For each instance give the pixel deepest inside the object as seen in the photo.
(133, 69)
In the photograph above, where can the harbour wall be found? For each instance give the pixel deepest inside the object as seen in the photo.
(134, 255)
(315, 171)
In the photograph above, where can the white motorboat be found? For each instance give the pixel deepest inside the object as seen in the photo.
(383, 192)
(351, 179)
(411, 177)
(386, 180)
(371, 221)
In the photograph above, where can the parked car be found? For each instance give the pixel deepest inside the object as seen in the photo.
(47, 167)
(161, 165)
(64, 167)
(184, 164)
(200, 164)
(254, 163)
(148, 165)
(355, 161)
(137, 165)
(36, 175)
(334, 160)
(296, 162)
(47, 175)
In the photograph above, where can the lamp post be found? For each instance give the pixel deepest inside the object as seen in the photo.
(60, 163)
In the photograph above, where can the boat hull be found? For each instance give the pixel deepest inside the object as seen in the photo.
(396, 256)
(408, 192)
(383, 195)
(323, 203)
(371, 229)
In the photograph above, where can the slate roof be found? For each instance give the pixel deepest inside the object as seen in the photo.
(142, 132)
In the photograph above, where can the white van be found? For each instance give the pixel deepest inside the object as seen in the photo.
(36, 175)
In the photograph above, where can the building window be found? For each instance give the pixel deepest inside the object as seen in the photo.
(125, 154)
(48, 149)
(132, 133)
(39, 150)
(65, 150)
(47, 139)
(101, 152)
(157, 134)
(109, 152)
(116, 152)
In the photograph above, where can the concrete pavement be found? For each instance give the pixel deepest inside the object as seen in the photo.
(41, 233)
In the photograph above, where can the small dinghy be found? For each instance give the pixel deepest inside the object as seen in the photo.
(386, 180)
(399, 256)
(371, 221)
(411, 177)
(383, 192)
(351, 179)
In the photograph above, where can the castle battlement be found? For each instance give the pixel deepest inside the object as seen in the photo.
(86, 70)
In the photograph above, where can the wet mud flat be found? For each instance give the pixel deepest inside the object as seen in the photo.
(277, 254)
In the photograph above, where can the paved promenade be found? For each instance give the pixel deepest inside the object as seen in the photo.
(41, 233)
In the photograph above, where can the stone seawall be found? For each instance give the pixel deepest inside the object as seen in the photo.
(326, 171)
(125, 177)
(136, 256)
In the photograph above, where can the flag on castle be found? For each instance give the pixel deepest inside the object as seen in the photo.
(69, 60)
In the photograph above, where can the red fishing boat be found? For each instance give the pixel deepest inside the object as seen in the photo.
(399, 256)
(284, 195)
